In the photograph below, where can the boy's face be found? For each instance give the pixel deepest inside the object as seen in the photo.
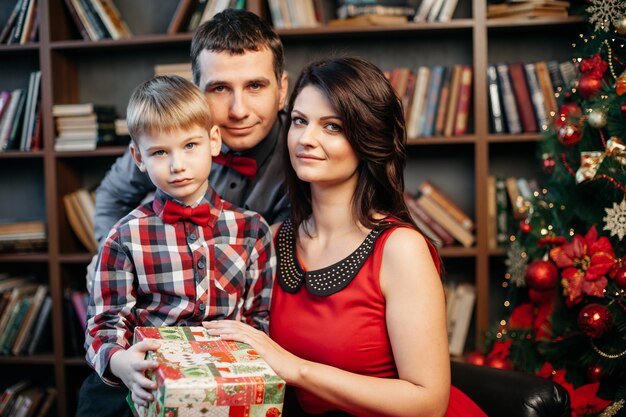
(178, 162)
(243, 94)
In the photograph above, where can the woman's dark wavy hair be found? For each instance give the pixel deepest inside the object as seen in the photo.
(373, 122)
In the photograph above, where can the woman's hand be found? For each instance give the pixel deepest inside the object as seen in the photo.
(286, 365)
(130, 366)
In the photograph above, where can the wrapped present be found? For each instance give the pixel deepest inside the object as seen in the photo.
(202, 375)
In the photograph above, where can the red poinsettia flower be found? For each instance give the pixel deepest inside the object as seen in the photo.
(584, 401)
(585, 262)
(521, 317)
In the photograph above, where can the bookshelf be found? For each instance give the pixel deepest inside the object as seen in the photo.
(74, 70)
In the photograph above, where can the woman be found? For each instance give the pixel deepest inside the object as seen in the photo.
(357, 322)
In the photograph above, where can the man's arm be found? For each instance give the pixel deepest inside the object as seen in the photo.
(259, 280)
(121, 190)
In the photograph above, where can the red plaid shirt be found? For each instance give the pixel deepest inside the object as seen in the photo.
(154, 274)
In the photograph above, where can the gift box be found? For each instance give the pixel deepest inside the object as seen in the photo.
(202, 375)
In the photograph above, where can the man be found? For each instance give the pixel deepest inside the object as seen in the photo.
(237, 62)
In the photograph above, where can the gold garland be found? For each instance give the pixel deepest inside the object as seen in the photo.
(612, 409)
(610, 56)
(607, 355)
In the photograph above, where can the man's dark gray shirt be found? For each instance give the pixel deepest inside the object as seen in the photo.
(124, 186)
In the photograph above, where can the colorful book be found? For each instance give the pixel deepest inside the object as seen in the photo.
(547, 90)
(464, 101)
(432, 99)
(442, 106)
(536, 96)
(509, 103)
(522, 97)
(428, 188)
(453, 101)
(421, 217)
(496, 118)
(419, 99)
(445, 220)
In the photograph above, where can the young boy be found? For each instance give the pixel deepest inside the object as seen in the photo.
(184, 258)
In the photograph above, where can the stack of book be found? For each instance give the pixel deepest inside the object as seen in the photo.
(24, 315)
(437, 101)
(439, 218)
(525, 97)
(22, 236)
(528, 8)
(20, 116)
(25, 399)
(83, 127)
(98, 19)
(76, 302)
(22, 26)
(80, 211)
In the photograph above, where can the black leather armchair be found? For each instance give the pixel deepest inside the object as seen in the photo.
(503, 393)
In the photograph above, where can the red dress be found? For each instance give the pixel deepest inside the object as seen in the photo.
(338, 318)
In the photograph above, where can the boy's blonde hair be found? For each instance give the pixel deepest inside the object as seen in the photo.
(166, 103)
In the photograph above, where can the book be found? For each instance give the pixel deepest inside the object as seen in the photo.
(181, 16)
(112, 19)
(78, 22)
(547, 90)
(30, 399)
(464, 101)
(431, 190)
(432, 101)
(80, 109)
(434, 11)
(10, 394)
(496, 118)
(515, 198)
(13, 139)
(5, 98)
(536, 97)
(447, 10)
(95, 20)
(417, 106)
(464, 298)
(445, 220)
(47, 402)
(442, 105)
(522, 97)
(14, 322)
(511, 113)
(80, 217)
(196, 15)
(369, 20)
(30, 110)
(492, 210)
(9, 118)
(29, 21)
(41, 336)
(77, 299)
(87, 24)
(422, 11)
(502, 211)
(453, 100)
(10, 23)
(16, 33)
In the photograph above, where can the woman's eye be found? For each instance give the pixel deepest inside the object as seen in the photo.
(333, 127)
(298, 121)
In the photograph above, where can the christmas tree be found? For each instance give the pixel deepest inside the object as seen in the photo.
(567, 259)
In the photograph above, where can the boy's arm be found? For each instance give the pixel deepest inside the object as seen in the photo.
(110, 321)
(121, 190)
(259, 280)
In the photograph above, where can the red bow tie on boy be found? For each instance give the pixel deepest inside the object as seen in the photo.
(173, 212)
(242, 164)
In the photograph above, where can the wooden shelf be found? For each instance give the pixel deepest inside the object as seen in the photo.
(23, 257)
(29, 360)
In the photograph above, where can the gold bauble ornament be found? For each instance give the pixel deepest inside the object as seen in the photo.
(620, 25)
(597, 119)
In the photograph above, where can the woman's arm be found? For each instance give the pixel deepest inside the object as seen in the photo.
(417, 329)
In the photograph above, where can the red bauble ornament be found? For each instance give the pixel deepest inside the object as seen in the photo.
(541, 275)
(525, 227)
(499, 363)
(589, 85)
(547, 163)
(595, 373)
(623, 109)
(475, 358)
(540, 297)
(568, 112)
(569, 134)
(595, 320)
(619, 276)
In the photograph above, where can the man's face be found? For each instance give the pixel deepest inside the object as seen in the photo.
(243, 94)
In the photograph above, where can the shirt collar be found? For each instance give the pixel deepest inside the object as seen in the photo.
(210, 197)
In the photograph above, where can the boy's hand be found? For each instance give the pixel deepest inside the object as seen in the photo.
(130, 366)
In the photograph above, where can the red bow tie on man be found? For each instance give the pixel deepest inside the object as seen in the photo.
(242, 164)
(174, 212)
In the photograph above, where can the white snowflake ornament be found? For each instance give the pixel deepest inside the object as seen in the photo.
(605, 12)
(616, 219)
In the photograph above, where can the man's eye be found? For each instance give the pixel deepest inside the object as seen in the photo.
(256, 86)
(218, 89)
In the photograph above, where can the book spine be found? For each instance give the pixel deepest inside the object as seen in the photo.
(508, 99)
(522, 97)
(495, 106)
(94, 19)
(536, 97)
(502, 213)
(443, 235)
(10, 24)
(547, 90)
(465, 95)
(428, 125)
(19, 22)
(427, 188)
(419, 96)
(41, 325)
(443, 101)
(453, 101)
(492, 226)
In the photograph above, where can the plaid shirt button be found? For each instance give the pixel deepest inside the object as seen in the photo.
(192, 237)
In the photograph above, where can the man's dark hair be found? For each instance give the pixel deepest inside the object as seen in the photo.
(236, 32)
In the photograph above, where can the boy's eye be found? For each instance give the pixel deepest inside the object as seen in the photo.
(159, 152)
(190, 145)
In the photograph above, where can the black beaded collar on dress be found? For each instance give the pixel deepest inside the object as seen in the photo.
(325, 281)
